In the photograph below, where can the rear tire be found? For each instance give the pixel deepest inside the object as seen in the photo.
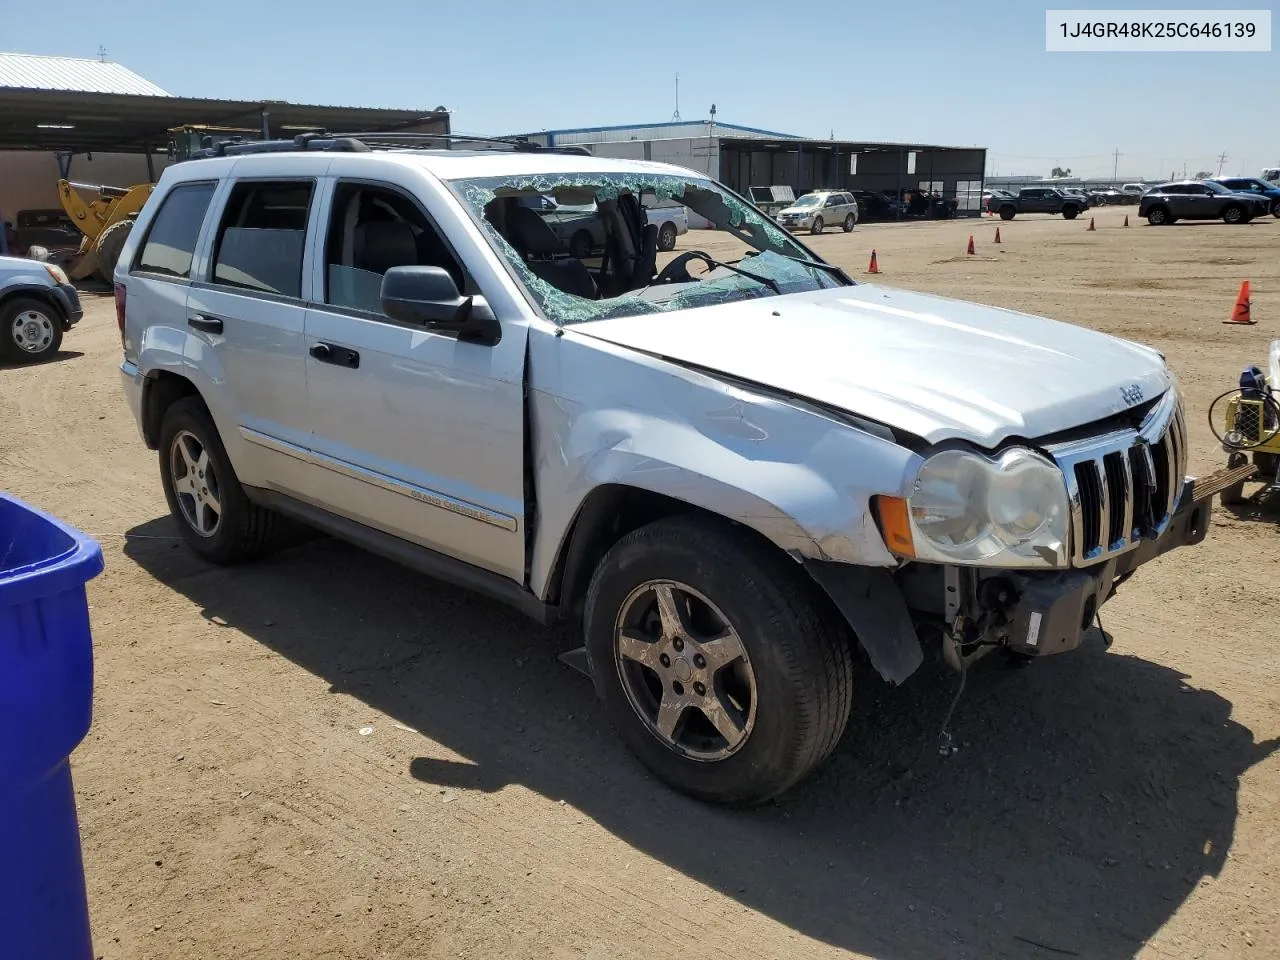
(786, 691)
(205, 497)
(30, 330)
(1275, 208)
(1158, 216)
(849, 223)
(667, 237)
(1007, 212)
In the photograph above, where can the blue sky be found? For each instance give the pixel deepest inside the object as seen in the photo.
(972, 72)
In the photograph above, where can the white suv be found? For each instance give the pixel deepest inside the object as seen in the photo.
(733, 464)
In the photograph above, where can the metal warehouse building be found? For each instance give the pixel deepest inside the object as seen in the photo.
(744, 157)
(115, 123)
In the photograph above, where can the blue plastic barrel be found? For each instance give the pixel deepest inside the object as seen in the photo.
(46, 698)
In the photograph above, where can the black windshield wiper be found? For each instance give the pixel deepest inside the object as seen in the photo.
(767, 281)
(828, 267)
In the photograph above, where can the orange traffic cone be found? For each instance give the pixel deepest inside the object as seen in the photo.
(997, 239)
(873, 266)
(1240, 313)
(1126, 219)
(1091, 226)
(970, 250)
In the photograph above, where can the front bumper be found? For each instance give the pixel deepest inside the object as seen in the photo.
(69, 299)
(1053, 610)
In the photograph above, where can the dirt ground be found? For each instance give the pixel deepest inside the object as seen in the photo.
(1110, 803)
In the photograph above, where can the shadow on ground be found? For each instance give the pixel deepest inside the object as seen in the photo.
(58, 357)
(1090, 794)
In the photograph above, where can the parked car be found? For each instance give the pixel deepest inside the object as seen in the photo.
(1100, 196)
(581, 228)
(51, 230)
(1254, 186)
(1132, 192)
(1078, 194)
(1040, 200)
(38, 305)
(991, 199)
(1199, 200)
(671, 218)
(1271, 174)
(820, 209)
(732, 476)
(877, 205)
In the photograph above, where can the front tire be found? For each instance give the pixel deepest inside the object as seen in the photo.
(849, 223)
(667, 237)
(205, 497)
(30, 331)
(1007, 212)
(1275, 209)
(110, 244)
(1234, 214)
(715, 661)
(817, 225)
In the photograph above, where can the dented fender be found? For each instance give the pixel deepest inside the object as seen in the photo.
(604, 414)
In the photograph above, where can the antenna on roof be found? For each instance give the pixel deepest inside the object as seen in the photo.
(676, 114)
(102, 53)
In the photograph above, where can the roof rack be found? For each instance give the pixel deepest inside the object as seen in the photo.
(375, 140)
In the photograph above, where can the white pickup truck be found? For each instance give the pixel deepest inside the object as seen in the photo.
(736, 470)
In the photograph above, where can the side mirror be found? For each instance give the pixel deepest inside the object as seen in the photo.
(427, 296)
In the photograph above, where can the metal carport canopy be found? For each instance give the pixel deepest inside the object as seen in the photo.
(61, 120)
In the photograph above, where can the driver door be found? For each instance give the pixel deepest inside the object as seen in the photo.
(413, 432)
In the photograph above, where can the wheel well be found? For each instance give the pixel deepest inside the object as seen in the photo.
(33, 293)
(160, 392)
(608, 514)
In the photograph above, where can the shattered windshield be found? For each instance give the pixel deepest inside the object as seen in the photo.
(588, 246)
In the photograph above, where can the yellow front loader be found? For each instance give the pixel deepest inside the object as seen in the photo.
(106, 219)
(105, 222)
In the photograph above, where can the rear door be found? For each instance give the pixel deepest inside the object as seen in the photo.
(414, 432)
(1195, 202)
(246, 312)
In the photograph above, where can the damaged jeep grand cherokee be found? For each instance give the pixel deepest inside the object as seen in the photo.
(731, 463)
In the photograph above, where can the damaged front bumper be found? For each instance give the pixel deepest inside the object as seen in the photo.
(978, 610)
(1053, 610)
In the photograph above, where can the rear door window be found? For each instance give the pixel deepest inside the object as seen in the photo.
(262, 235)
(171, 240)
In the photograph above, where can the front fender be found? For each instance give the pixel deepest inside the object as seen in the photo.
(602, 414)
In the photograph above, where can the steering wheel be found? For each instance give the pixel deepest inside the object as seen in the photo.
(677, 271)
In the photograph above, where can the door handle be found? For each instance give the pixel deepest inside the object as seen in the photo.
(207, 324)
(338, 356)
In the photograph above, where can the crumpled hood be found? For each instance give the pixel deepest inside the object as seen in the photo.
(936, 367)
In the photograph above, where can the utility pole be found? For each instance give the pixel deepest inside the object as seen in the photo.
(1115, 164)
(1222, 159)
(676, 116)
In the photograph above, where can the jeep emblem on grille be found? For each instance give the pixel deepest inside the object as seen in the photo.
(1132, 393)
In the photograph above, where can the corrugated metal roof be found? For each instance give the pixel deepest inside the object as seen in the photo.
(29, 72)
(671, 130)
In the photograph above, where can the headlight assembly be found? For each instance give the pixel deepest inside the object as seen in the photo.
(966, 508)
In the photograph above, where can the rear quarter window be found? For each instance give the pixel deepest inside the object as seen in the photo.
(171, 238)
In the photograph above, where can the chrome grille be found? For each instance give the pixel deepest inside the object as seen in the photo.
(1124, 485)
